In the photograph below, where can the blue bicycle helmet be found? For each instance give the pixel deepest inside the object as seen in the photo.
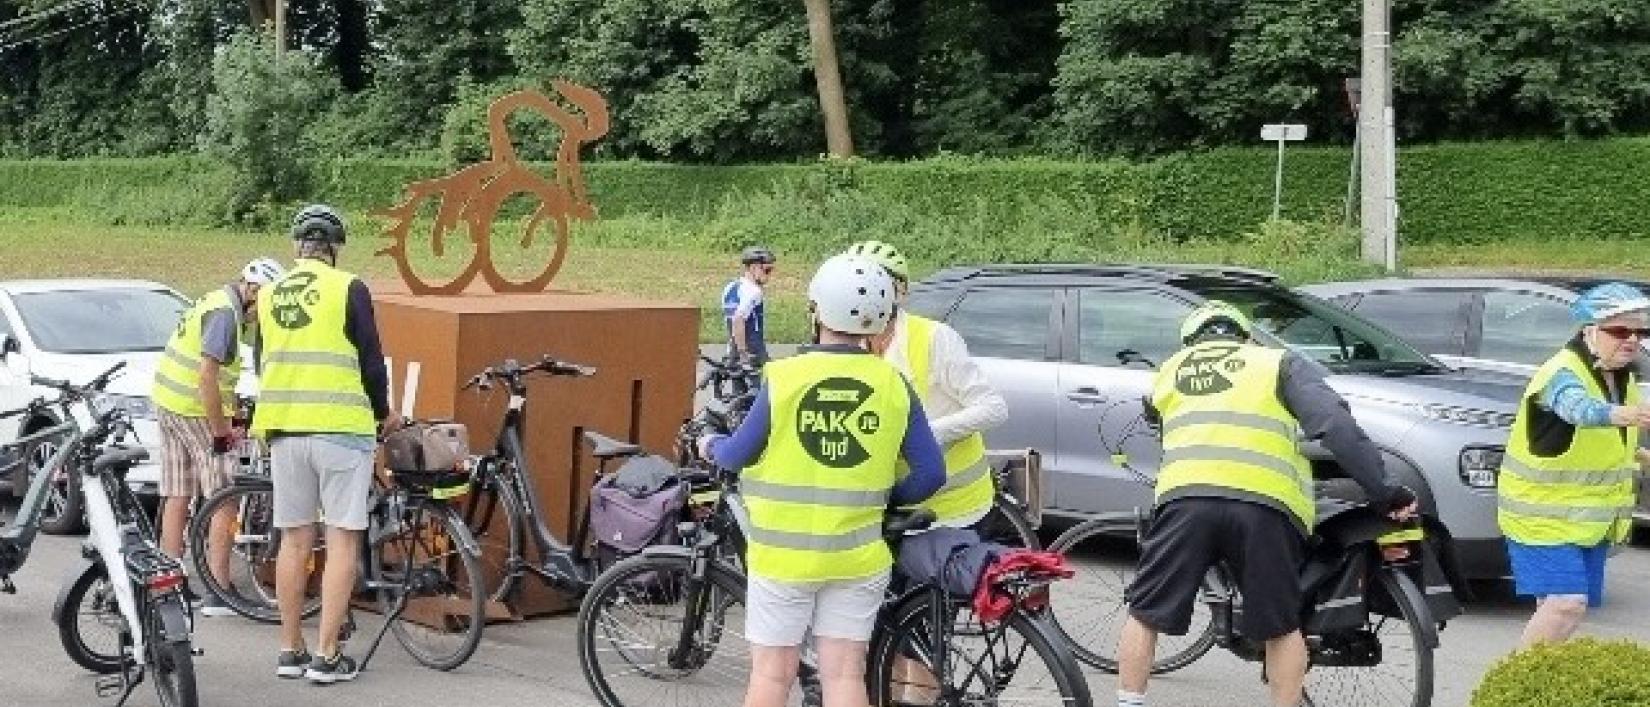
(1608, 300)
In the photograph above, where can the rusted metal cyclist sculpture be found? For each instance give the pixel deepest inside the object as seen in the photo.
(472, 196)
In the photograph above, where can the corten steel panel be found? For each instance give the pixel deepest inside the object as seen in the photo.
(643, 388)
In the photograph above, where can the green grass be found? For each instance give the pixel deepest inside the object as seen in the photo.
(40, 242)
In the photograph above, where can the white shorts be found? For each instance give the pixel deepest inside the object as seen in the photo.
(781, 614)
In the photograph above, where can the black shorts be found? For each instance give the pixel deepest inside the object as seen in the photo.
(1189, 535)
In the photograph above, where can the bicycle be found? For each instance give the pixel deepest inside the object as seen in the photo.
(419, 563)
(671, 615)
(502, 483)
(1344, 532)
(254, 541)
(124, 582)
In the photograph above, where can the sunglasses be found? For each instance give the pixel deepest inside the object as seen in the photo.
(767, 269)
(1622, 332)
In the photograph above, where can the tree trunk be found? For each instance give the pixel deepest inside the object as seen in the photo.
(350, 53)
(838, 139)
(262, 12)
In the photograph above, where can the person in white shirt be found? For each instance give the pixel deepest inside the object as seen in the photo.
(743, 310)
(961, 403)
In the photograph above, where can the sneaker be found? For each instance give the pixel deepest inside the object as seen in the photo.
(291, 664)
(326, 671)
(211, 605)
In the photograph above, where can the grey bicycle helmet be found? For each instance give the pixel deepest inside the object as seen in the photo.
(318, 222)
(756, 255)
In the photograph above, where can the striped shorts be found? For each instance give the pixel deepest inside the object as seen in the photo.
(188, 467)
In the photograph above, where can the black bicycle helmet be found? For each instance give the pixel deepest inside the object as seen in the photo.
(318, 222)
(756, 255)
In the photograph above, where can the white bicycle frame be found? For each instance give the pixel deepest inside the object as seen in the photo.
(105, 538)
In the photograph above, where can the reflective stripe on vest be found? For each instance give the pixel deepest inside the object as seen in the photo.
(1584, 494)
(311, 379)
(177, 382)
(817, 495)
(1224, 425)
(969, 488)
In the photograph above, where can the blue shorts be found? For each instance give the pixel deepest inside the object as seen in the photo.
(1545, 570)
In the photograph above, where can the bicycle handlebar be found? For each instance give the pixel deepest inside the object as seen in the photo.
(70, 390)
(512, 371)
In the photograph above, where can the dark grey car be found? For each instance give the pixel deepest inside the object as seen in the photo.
(1501, 324)
(1074, 348)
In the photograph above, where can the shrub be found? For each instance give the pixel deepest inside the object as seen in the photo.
(1581, 672)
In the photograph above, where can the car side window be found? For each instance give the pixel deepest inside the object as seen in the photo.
(1434, 321)
(1523, 327)
(1005, 323)
(1114, 323)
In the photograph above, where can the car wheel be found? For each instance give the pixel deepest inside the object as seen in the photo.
(62, 513)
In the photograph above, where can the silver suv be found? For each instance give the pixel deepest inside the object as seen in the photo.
(1074, 349)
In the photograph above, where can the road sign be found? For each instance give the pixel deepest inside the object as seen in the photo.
(1283, 133)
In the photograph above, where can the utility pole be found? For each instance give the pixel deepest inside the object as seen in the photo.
(280, 28)
(1375, 145)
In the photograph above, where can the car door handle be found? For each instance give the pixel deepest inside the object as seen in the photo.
(1086, 395)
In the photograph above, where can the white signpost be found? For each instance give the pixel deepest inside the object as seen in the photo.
(1281, 133)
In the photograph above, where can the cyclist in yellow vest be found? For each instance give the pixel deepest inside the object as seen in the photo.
(323, 390)
(194, 394)
(1234, 487)
(1566, 482)
(819, 450)
(960, 401)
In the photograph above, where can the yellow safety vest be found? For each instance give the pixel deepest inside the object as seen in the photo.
(969, 489)
(311, 373)
(1584, 495)
(817, 495)
(1224, 425)
(178, 375)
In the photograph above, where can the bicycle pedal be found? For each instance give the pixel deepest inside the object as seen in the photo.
(109, 685)
(197, 652)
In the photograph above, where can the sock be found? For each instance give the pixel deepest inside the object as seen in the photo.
(1130, 699)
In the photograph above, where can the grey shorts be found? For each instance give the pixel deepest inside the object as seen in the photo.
(322, 478)
(782, 614)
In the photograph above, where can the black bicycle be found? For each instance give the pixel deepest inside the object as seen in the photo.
(420, 567)
(667, 626)
(1385, 659)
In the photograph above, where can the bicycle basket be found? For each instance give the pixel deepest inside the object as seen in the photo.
(426, 458)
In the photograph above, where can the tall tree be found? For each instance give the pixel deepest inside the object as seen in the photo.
(833, 102)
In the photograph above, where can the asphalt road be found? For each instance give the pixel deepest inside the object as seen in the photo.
(535, 663)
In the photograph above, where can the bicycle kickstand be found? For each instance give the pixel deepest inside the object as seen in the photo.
(6, 587)
(390, 618)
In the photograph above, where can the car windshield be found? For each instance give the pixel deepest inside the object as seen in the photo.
(100, 321)
(1328, 334)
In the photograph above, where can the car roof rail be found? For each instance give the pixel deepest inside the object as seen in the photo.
(1160, 271)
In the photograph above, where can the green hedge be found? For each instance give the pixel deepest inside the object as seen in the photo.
(1473, 192)
(1581, 672)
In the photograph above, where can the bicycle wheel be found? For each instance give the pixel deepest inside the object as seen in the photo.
(427, 568)
(632, 621)
(493, 513)
(171, 663)
(1403, 675)
(254, 543)
(1088, 609)
(1007, 524)
(91, 626)
(1018, 661)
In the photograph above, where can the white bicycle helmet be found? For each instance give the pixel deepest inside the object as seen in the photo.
(263, 271)
(1608, 300)
(852, 295)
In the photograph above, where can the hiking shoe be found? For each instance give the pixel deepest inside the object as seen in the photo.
(291, 664)
(326, 671)
(211, 605)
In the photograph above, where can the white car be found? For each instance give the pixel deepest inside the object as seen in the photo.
(73, 330)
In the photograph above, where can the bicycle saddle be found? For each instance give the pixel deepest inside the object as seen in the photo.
(900, 521)
(120, 457)
(605, 447)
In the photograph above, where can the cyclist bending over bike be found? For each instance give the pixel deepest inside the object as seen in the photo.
(1234, 488)
(821, 443)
